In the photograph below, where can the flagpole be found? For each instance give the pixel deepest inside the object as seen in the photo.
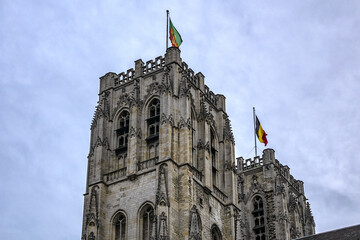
(255, 131)
(167, 28)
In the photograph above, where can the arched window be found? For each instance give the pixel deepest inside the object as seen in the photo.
(259, 218)
(213, 157)
(215, 233)
(193, 142)
(154, 118)
(146, 222)
(153, 123)
(122, 132)
(119, 225)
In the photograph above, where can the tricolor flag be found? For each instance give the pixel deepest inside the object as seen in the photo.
(261, 134)
(174, 37)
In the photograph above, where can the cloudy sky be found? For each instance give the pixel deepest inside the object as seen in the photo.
(297, 62)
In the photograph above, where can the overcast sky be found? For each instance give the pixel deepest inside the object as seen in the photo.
(297, 62)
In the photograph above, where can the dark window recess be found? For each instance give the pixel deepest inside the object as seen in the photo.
(153, 121)
(122, 133)
(259, 218)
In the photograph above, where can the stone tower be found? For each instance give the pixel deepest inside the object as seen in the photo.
(162, 166)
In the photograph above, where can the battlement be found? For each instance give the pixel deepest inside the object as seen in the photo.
(250, 163)
(124, 77)
(151, 66)
(268, 157)
(284, 171)
(158, 64)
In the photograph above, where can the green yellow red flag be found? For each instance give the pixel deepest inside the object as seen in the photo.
(261, 134)
(175, 37)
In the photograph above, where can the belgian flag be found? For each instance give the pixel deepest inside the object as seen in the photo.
(261, 134)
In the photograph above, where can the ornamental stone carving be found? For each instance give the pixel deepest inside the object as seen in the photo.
(165, 119)
(195, 227)
(102, 110)
(135, 132)
(228, 134)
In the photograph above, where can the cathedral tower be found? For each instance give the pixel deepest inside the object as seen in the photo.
(162, 165)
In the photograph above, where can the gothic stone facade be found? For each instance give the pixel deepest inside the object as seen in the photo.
(161, 165)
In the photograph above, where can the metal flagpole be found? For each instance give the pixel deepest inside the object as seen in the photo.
(255, 130)
(167, 28)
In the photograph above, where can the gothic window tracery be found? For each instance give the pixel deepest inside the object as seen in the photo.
(153, 123)
(122, 133)
(119, 225)
(146, 222)
(154, 117)
(259, 218)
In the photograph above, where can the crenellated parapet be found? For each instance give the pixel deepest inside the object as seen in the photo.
(113, 80)
(124, 77)
(284, 171)
(154, 65)
(244, 165)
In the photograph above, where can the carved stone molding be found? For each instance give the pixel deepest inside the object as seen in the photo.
(229, 166)
(102, 109)
(99, 143)
(309, 219)
(281, 216)
(131, 99)
(194, 228)
(92, 213)
(169, 120)
(292, 203)
(135, 132)
(201, 145)
(240, 188)
(184, 123)
(163, 228)
(162, 189)
(228, 134)
(204, 114)
(280, 186)
(256, 187)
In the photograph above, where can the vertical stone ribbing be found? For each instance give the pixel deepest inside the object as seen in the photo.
(271, 217)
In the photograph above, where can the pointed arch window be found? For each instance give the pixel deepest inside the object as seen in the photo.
(153, 123)
(213, 158)
(154, 118)
(193, 141)
(215, 233)
(259, 218)
(119, 225)
(122, 133)
(147, 226)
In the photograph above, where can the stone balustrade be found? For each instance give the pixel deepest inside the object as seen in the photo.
(147, 163)
(197, 174)
(115, 174)
(219, 194)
